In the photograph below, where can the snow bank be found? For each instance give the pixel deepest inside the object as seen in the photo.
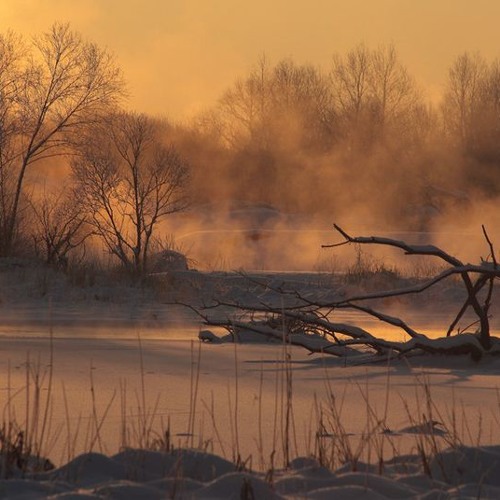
(463, 472)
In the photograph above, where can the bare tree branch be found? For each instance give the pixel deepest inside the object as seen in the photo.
(310, 322)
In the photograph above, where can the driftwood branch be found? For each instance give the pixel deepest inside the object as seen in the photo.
(486, 272)
(408, 249)
(310, 323)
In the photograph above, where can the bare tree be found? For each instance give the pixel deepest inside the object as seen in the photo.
(393, 88)
(130, 182)
(374, 93)
(244, 107)
(486, 123)
(11, 54)
(466, 80)
(471, 116)
(49, 91)
(275, 104)
(350, 76)
(301, 105)
(59, 224)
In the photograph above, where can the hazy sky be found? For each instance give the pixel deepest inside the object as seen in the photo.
(179, 55)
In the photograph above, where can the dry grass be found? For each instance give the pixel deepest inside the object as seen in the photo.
(25, 440)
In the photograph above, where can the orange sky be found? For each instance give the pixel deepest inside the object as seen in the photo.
(179, 55)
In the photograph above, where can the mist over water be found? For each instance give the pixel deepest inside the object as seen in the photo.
(293, 243)
(289, 149)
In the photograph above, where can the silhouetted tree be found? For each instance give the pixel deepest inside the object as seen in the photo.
(302, 106)
(464, 93)
(244, 107)
(350, 77)
(267, 119)
(471, 114)
(59, 224)
(129, 181)
(374, 94)
(50, 90)
(485, 143)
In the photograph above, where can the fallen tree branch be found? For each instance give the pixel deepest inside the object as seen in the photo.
(309, 321)
(485, 270)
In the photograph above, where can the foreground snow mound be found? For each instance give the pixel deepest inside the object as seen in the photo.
(146, 465)
(465, 464)
(238, 485)
(87, 470)
(461, 472)
(90, 469)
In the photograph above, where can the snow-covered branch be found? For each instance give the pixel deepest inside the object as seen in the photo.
(310, 322)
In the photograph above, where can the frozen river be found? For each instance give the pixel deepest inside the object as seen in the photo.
(109, 392)
(129, 313)
(107, 374)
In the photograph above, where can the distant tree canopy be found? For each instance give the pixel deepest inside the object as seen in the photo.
(471, 110)
(315, 140)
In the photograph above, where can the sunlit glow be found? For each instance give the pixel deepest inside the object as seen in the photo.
(179, 55)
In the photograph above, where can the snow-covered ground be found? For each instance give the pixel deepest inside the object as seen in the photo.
(129, 373)
(134, 474)
(238, 406)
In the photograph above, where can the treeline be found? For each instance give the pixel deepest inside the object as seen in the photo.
(359, 137)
